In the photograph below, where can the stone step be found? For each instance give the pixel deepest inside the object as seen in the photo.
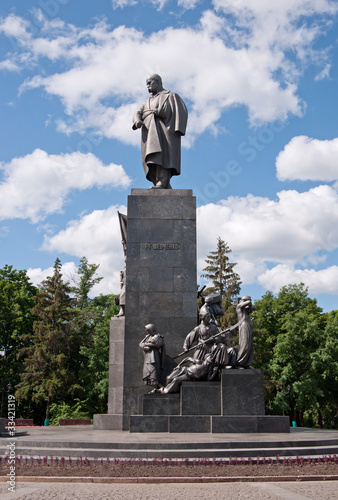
(161, 445)
(92, 451)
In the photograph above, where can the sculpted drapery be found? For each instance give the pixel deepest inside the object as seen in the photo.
(163, 118)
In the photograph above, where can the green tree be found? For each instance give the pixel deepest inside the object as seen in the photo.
(52, 358)
(93, 323)
(324, 370)
(270, 316)
(292, 362)
(94, 372)
(16, 321)
(226, 282)
(295, 345)
(84, 282)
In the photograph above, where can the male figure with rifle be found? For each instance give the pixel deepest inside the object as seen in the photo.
(209, 340)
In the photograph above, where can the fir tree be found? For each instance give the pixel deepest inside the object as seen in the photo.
(226, 282)
(221, 271)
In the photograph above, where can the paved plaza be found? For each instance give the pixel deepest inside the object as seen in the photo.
(321, 490)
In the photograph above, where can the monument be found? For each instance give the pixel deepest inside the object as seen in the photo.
(215, 389)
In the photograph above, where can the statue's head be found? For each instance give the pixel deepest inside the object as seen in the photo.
(154, 83)
(245, 298)
(208, 299)
(150, 328)
(205, 317)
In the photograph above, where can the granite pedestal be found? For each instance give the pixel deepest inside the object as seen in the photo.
(161, 288)
(234, 404)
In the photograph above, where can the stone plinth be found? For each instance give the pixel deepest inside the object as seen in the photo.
(210, 423)
(242, 392)
(233, 405)
(201, 398)
(166, 404)
(250, 424)
(161, 288)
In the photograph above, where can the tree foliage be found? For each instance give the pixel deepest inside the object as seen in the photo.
(93, 322)
(51, 359)
(55, 343)
(84, 282)
(16, 320)
(94, 371)
(67, 353)
(296, 345)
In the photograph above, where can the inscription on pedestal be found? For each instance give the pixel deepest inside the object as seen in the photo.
(162, 246)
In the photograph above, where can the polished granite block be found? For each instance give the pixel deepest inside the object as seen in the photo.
(201, 398)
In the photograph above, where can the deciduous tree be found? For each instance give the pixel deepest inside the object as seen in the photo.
(16, 321)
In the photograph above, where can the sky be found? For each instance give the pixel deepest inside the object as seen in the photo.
(261, 150)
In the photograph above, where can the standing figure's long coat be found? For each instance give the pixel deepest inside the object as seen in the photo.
(165, 119)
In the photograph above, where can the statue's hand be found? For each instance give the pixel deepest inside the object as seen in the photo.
(138, 124)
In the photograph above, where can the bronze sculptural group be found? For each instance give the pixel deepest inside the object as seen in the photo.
(198, 369)
(211, 350)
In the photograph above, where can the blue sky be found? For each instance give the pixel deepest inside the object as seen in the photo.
(261, 149)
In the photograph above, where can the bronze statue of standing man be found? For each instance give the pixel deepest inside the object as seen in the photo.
(163, 119)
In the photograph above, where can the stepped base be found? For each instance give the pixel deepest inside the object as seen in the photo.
(84, 441)
(111, 422)
(209, 423)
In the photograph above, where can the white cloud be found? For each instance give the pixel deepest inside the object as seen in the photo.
(96, 236)
(187, 4)
(14, 26)
(274, 242)
(38, 184)
(325, 73)
(101, 67)
(289, 228)
(296, 230)
(123, 3)
(9, 65)
(37, 275)
(276, 23)
(247, 63)
(322, 281)
(305, 158)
